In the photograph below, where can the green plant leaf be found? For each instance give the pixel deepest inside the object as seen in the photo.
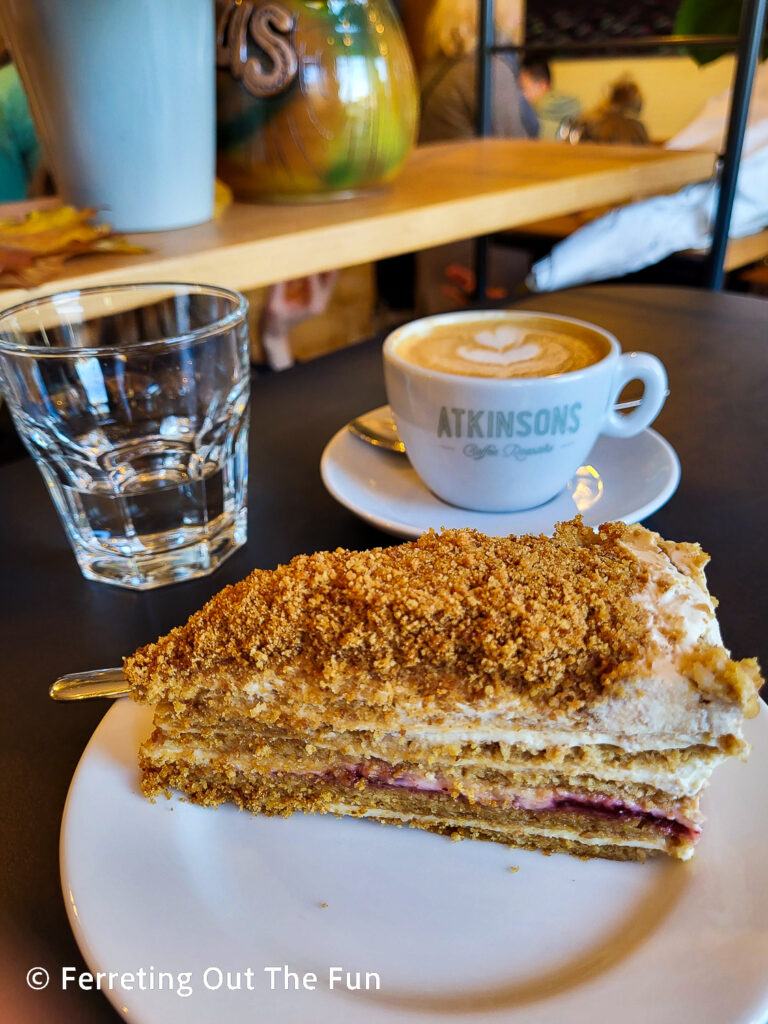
(710, 18)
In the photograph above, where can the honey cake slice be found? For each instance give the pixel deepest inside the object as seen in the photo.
(565, 694)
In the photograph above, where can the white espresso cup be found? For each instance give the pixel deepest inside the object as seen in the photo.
(482, 437)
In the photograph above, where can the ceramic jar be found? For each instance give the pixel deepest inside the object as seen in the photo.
(316, 98)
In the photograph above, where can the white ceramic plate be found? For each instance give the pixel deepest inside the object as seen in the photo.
(623, 479)
(453, 934)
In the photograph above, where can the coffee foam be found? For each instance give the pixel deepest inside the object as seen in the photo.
(500, 350)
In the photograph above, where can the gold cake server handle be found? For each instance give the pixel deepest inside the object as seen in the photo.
(100, 682)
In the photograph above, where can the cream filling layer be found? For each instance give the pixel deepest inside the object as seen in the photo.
(675, 595)
(541, 738)
(474, 791)
(688, 780)
(702, 728)
(651, 843)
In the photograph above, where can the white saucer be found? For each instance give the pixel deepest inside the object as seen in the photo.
(201, 897)
(624, 479)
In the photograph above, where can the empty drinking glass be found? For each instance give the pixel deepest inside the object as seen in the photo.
(133, 401)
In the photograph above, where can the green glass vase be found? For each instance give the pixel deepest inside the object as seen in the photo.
(316, 98)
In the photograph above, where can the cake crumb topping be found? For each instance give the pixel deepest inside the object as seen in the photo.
(456, 616)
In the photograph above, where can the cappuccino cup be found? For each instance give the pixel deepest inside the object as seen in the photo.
(497, 410)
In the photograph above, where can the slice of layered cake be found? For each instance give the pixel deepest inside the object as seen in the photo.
(569, 693)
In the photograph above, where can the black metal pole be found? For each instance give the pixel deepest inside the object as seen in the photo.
(750, 36)
(486, 39)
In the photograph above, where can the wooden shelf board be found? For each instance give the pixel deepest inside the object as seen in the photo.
(445, 192)
(742, 251)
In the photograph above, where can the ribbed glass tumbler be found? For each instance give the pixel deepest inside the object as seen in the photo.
(133, 401)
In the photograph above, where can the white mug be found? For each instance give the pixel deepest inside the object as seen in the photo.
(506, 444)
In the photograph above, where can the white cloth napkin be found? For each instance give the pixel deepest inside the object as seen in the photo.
(636, 236)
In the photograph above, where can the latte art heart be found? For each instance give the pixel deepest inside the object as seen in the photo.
(514, 354)
(502, 338)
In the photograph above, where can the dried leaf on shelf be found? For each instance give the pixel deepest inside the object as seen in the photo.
(33, 249)
(222, 198)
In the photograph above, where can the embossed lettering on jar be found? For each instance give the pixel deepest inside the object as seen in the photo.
(316, 98)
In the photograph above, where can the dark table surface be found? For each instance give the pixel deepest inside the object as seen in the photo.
(52, 621)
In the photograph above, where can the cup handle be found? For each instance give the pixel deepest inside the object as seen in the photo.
(648, 369)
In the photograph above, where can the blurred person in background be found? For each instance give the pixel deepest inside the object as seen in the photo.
(444, 279)
(449, 76)
(618, 120)
(555, 110)
(20, 162)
